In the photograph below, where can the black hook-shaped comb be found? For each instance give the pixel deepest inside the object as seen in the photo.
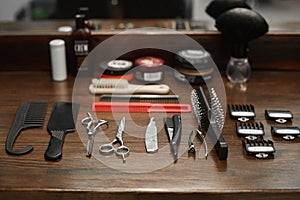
(29, 115)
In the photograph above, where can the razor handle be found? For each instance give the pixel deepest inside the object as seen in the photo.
(54, 150)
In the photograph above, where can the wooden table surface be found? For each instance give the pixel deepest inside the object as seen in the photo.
(146, 176)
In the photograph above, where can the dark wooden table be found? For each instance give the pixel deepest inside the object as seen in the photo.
(105, 177)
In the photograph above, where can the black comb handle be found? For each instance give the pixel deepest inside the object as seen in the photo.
(29, 115)
(62, 121)
(54, 150)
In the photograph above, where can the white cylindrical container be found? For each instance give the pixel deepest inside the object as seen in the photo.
(58, 59)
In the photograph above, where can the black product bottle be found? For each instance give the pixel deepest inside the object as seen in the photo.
(81, 44)
(87, 20)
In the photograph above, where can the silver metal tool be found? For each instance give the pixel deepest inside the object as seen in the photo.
(91, 126)
(119, 150)
(191, 142)
(151, 137)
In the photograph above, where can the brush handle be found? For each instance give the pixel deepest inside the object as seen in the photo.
(131, 88)
(157, 89)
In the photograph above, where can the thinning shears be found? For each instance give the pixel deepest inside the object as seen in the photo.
(117, 145)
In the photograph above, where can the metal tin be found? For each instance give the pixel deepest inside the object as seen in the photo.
(193, 76)
(117, 69)
(149, 69)
(194, 59)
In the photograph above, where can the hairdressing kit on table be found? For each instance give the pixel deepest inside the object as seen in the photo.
(119, 94)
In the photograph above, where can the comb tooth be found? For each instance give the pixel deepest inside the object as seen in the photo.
(235, 107)
(251, 107)
(35, 113)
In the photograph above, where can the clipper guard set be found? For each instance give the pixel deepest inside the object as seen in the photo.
(253, 132)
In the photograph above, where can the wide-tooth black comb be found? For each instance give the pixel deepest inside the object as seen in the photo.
(210, 116)
(29, 115)
(140, 98)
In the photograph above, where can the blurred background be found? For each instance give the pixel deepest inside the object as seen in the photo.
(275, 11)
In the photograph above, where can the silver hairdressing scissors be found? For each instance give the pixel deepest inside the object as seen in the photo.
(91, 126)
(111, 147)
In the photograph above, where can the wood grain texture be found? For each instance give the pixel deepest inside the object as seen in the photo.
(78, 177)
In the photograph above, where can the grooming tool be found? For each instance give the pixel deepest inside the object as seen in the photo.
(279, 116)
(191, 145)
(259, 148)
(242, 112)
(139, 107)
(151, 137)
(120, 150)
(250, 131)
(61, 122)
(240, 26)
(286, 132)
(216, 7)
(210, 118)
(92, 125)
(121, 86)
(28, 115)
(173, 127)
(148, 98)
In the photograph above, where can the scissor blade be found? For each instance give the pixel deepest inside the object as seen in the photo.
(121, 128)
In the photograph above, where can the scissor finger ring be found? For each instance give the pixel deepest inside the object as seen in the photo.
(106, 149)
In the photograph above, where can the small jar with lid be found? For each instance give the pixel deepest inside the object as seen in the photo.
(117, 69)
(149, 69)
(194, 66)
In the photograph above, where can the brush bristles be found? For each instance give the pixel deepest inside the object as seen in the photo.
(199, 109)
(110, 83)
(216, 109)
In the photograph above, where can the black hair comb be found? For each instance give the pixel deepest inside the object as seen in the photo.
(29, 115)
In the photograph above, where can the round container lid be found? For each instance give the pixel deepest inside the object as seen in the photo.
(57, 42)
(149, 61)
(149, 64)
(65, 29)
(193, 56)
(119, 65)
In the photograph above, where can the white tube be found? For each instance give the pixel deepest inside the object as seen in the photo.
(58, 60)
